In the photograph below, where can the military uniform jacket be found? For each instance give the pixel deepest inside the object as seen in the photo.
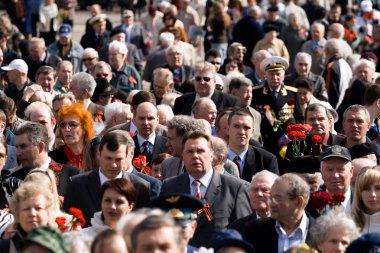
(262, 96)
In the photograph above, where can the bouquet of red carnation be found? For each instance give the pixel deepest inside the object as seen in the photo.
(297, 133)
(320, 200)
(78, 220)
(141, 164)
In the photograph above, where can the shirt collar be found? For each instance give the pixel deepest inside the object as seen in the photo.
(45, 165)
(205, 180)
(104, 179)
(142, 139)
(232, 154)
(133, 128)
(303, 227)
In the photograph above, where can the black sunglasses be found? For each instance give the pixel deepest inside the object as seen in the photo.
(204, 78)
(88, 59)
(101, 75)
(72, 124)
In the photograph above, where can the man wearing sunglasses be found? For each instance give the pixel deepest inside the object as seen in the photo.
(204, 84)
(90, 57)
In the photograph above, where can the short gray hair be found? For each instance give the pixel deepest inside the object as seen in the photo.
(114, 109)
(166, 39)
(166, 109)
(297, 186)
(102, 64)
(91, 52)
(172, 47)
(303, 55)
(219, 146)
(333, 219)
(33, 107)
(36, 133)
(182, 124)
(163, 73)
(334, 46)
(201, 102)
(205, 67)
(357, 108)
(85, 81)
(367, 63)
(119, 46)
(265, 173)
(203, 126)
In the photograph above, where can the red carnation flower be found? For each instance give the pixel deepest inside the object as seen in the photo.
(316, 138)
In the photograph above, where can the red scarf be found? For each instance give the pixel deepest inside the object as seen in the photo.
(74, 160)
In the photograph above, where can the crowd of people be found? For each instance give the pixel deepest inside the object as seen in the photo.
(238, 126)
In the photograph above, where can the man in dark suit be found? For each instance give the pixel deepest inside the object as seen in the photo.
(115, 158)
(99, 36)
(204, 85)
(259, 193)
(147, 143)
(249, 159)
(289, 196)
(225, 198)
(32, 152)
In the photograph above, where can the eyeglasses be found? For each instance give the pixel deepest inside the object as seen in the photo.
(279, 199)
(72, 124)
(101, 75)
(204, 78)
(88, 59)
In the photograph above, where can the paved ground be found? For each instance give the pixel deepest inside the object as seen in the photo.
(82, 16)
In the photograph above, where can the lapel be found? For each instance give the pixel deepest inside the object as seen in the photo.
(182, 184)
(93, 187)
(213, 189)
(156, 146)
(137, 147)
(249, 165)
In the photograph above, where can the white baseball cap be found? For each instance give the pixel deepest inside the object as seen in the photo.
(17, 64)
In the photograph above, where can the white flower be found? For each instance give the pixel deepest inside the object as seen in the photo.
(204, 250)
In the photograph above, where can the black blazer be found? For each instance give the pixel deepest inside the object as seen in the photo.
(258, 159)
(228, 199)
(242, 223)
(66, 172)
(59, 155)
(155, 184)
(263, 235)
(158, 148)
(83, 192)
(222, 100)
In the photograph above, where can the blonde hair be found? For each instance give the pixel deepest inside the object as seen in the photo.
(45, 178)
(30, 190)
(367, 177)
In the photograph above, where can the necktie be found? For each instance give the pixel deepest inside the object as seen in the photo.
(197, 184)
(146, 150)
(236, 161)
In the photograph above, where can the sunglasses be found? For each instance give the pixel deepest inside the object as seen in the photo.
(204, 78)
(88, 59)
(101, 75)
(72, 124)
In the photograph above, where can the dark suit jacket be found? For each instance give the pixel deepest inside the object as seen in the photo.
(258, 159)
(222, 100)
(137, 37)
(158, 148)
(184, 85)
(228, 199)
(319, 85)
(241, 224)
(84, 193)
(66, 172)
(171, 167)
(263, 235)
(155, 184)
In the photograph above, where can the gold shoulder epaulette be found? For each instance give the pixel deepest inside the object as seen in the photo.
(291, 88)
(257, 87)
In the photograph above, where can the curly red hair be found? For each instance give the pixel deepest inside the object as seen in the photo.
(84, 116)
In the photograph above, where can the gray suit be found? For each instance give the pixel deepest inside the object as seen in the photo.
(83, 192)
(227, 197)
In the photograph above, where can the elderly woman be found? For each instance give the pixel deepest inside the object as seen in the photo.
(118, 198)
(32, 206)
(333, 232)
(76, 128)
(366, 204)
(89, 58)
(364, 70)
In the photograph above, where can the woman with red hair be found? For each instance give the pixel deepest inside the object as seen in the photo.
(75, 126)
